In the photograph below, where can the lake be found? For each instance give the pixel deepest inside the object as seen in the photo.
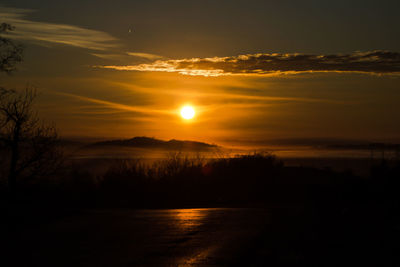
(170, 237)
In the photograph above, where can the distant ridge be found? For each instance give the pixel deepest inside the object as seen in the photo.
(148, 142)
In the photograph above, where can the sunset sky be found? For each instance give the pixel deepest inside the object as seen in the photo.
(252, 70)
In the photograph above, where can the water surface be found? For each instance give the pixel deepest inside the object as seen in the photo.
(170, 237)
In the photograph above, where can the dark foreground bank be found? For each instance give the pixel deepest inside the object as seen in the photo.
(285, 236)
(273, 215)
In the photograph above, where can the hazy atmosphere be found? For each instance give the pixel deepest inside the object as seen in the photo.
(253, 70)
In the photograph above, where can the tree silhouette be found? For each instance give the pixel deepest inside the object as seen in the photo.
(28, 147)
(10, 53)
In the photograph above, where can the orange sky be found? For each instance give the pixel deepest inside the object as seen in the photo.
(115, 104)
(101, 81)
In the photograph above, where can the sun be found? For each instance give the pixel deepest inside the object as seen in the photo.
(187, 112)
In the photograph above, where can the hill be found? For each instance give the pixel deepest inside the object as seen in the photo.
(153, 143)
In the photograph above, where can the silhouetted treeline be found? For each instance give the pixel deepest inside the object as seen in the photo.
(179, 181)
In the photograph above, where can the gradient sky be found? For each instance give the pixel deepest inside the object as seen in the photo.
(254, 70)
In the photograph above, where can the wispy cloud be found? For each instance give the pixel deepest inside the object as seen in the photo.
(224, 96)
(144, 55)
(137, 57)
(372, 62)
(109, 56)
(44, 32)
(118, 106)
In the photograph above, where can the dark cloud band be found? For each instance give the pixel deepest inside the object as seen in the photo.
(373, 62)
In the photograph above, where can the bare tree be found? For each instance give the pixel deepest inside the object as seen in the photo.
(28, 147)
(10, 53)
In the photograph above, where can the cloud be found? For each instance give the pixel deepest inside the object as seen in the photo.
(372, 62)
(118, 106)
(124, 57)
(109, 56)
(144, 55)
(44, 32)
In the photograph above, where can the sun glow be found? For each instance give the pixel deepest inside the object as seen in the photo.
(187, 112)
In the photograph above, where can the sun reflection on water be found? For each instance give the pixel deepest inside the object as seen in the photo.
(189, 218)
